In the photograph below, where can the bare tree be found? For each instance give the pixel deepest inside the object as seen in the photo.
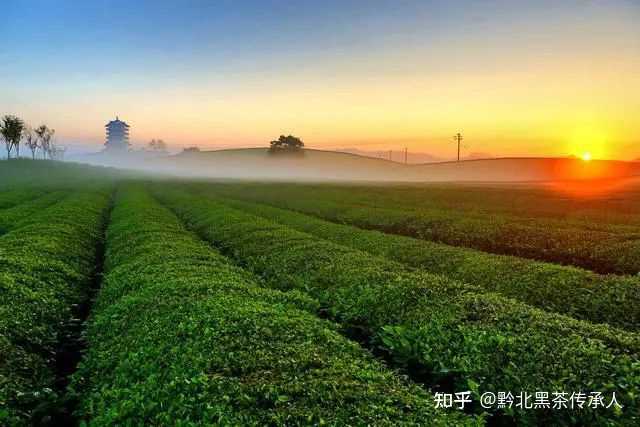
(31, 140)
(41, 131)
(11, 131)
(45, 135)
(48, 140)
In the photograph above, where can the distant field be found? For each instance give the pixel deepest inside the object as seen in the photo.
(131, 300)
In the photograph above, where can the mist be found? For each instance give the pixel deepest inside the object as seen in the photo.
(317, 165)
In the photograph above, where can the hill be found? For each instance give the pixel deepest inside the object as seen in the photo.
(315, 165)
(257, 163)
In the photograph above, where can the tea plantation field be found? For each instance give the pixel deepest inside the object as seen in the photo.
(138, 300)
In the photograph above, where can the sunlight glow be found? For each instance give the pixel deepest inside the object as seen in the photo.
(589, 142)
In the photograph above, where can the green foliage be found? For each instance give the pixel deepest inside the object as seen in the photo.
(180, 336)
(595, 245)
(286, 144)
(575, 292)
(444, 332)
(11, 128)
(15, 196)
(28, 211)
(45, 268)
(48, 175)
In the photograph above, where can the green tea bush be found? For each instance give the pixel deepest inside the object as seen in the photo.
(15, 196)
(572, 291)
(448, 334)
(578, 244)
(181, 337)
(45, 269)
(41, 175)
(28, 211)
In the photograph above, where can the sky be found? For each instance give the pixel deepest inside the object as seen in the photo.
(517, 78)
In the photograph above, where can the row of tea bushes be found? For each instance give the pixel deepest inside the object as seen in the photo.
(181, 337)
(15, 196)
(522, 205)
(28, 211)
(600, 251)
(46, 266)
(443, 332)
(567, 290)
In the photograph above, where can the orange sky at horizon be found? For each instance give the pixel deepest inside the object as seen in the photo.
(515, 119)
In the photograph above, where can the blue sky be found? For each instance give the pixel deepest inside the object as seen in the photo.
(232, 73)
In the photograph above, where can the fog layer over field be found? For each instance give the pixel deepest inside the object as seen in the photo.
(317, 165)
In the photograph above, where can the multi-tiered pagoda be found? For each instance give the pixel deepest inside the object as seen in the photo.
(117, 136)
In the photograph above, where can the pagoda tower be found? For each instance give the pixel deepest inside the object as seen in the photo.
(117, 136)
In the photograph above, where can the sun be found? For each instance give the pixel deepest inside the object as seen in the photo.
(588, 143)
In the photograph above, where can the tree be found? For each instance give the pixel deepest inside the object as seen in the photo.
(45, 135)
(11, 131)
(286, 144)
(31, 140)
(157, 145)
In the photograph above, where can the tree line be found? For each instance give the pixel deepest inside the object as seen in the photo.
(14, 132)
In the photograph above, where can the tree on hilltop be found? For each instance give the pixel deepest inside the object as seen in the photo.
(286, 144)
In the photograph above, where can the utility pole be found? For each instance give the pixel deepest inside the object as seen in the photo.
(390, 155)
(405, 155)
(458, 138)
